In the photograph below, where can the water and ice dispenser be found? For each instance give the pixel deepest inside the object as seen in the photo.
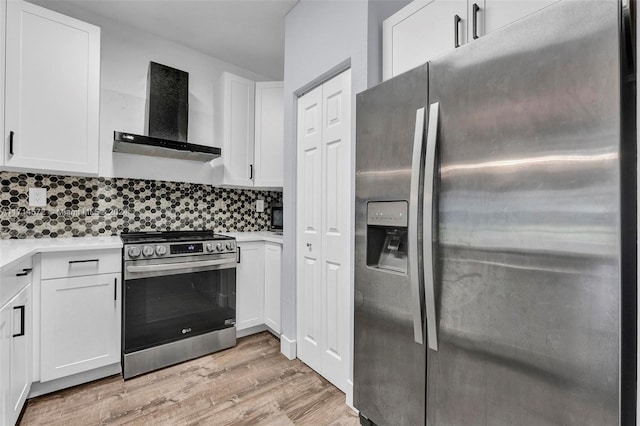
(387, 235)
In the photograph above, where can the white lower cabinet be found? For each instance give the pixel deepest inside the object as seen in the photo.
(250, 285)
(80, 324)
(272, 285)
(15, 354)
(258, 282)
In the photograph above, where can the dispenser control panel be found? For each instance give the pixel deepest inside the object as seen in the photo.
(387, 213)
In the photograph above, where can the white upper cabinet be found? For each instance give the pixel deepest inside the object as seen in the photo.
(235, 126)
(422, 30)
(426, 29)
(495, 14)
(51, 92)
(250, 124)
(269, 135)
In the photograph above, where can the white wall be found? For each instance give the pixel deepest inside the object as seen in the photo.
(126, 53)
(321, 39)
(379, 10)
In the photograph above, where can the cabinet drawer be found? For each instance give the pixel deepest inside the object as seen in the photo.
(13, 279)
(78, 263)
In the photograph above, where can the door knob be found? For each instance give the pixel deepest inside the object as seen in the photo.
(309, 245)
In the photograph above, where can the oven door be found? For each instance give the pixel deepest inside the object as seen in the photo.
(166, 300)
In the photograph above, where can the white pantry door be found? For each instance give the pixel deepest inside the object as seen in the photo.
(309, 210)
(324, 212)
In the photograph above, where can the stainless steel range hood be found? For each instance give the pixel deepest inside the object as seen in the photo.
(167, 115)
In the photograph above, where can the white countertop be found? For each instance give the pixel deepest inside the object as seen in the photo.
(245, 237)
(13, 251)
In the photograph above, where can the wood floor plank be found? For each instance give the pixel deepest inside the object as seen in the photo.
(250, 384)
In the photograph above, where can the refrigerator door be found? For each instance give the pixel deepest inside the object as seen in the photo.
(527, 257)
(389, 350)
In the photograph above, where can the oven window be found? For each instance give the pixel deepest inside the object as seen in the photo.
(164, 309)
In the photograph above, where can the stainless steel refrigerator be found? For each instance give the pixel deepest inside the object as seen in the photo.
(495, 230)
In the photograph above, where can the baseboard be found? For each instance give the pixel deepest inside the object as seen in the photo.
(251, 330)
(39, 388)
(288, 347)
(272, 331)
(349, 394)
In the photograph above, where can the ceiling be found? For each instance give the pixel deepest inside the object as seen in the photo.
(246, 33)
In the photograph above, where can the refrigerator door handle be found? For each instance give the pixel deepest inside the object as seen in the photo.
(427, 226)
(414, 194)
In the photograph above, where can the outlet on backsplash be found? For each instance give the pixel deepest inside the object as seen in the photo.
(37, 197)
(260, 206)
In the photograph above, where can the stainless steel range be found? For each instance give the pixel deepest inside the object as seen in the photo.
(179, 298)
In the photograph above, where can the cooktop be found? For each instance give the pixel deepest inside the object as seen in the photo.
(170, 236)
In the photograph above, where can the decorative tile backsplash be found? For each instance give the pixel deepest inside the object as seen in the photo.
(79, 206)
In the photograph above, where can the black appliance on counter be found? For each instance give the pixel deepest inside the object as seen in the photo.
(276, 217)
(179, 297)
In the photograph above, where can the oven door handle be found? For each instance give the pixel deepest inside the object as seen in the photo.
(180, 265)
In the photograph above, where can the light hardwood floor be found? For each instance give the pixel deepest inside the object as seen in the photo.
(250, 384)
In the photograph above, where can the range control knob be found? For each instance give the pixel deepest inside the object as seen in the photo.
(229, 245)
(209, 247)
(148, 251)
(219, 247)
(134, 252)
(161, 250)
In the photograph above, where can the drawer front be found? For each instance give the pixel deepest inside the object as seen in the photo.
(14, 279)
(78, 263)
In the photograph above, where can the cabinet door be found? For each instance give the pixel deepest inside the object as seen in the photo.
(237, 129)
(250, 286)
(52, 91)
(80, 329)
(422, 30)
(21, 343)
(498, 13)
(269, 137)
(272, 285)
(6, 333)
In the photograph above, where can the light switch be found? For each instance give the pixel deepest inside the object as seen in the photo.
(260, 206)
(37, 197)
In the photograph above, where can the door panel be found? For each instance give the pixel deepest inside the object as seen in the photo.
(47, 136)
(336, 226)
(309, 298)
(71, 344)
(269, 134)
(527, 279)
(425, 32)
(250, 286)
(272, 285)
(324, 207)
(21, 352)
(498, 13)
(241, 129)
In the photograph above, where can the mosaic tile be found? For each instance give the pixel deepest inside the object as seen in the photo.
(81, 206)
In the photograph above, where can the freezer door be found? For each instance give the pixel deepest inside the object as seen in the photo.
(527, 257)
(389, 350)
